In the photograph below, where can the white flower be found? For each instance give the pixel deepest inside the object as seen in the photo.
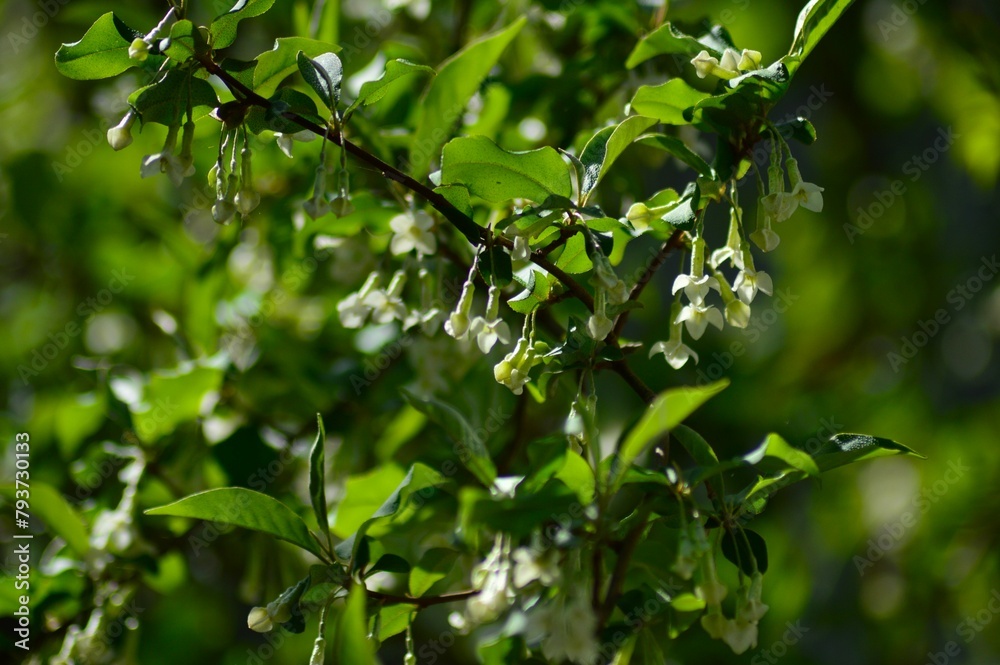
(413, 231)
(730, 66)
(113, 531)
(779, 206)
(731, 251)
(808, 195)
(752, 609)
(696, 318)
(492, 578)
(569, 625)
(674, 350)
(530, 566)
(599, 326)
(737, 314)
(165, 162)
(387, 305)
(285, 140)
(120, 136)
(457, 324)
(739, 635)
(713, 592)
(749, 60)
(748, 282)
(489, 331)
(353, 311)
(513, 370)
(765, 238)
(714, 623)
(521, 250)
(259, 620)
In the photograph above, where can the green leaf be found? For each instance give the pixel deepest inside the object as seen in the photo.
(420, 477)
(166, 102)
(814, 21)
(678, 149)
(743, 551)
(844, 449)
(687, 602)
(605, 147)
(351, 645)
(434, 566)
(373, 91)
(667, 102)
(102, 52)
(442, 104)
(777, 448)
(317, 477)
(666, 39)
(683, 214)
(281, 61)
(536, 291)
(323, 74)
(573, 258)
(223, 28)
(497, 176)
(186, 40)
(667, 411)
(363, 495)
(521, 514)
(799, 129)
(696, 446)
(247, 509)
(469, 446)
(48, 505)
(389, 563)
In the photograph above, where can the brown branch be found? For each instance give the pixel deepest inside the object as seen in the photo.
(422, 601)
(625, 553)
(675, 241)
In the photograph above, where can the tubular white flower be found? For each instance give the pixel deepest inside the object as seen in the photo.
(749, 60)
(259, 620)
(457, 324)
(413, 231)
(805, 194)
(352, 310)
(120, 136)
(387, 306)
(284, 141)
(697, 284)
(246, 199)
(531, 566)
(752, 609)
(731, 251)
(569, 625)
(674, 350)
(317, 206)
(737, 312)
(138, 50)
(696, 318)
(740, 635)
(491, 328)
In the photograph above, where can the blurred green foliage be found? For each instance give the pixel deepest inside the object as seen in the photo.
(116, 288)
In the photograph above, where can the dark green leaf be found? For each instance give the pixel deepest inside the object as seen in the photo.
(247, 509)
(666, 39)
(799, 129)
(166, 102)
(678, 149)
(844, 449)
(735, 549)
(317, 477)
(434, 566)
(276, 65)
(536, 291)
(223, 28)
(323, 74)
(605, 147)
(389, 563)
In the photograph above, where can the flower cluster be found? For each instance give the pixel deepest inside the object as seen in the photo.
(732, 64)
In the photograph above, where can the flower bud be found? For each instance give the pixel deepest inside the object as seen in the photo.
(120, 136)
(259, 620)
(138, 49)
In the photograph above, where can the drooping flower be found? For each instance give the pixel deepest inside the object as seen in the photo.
(531, 566)
(731, 250)
(120, 136)
(740, 635)
(490, 328)
(696, 318)
(247, 199)
(805, 194)
(413, 231)
(352, 310)
(317, 205)
(387, 306)
(749, 280)
(674, 350)
(697, 284)
(492, 578)
(513, 370)
(166, 161)
(736, 312)
(138, 50)
(458, 321)
(570, 626)
(285, 141)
